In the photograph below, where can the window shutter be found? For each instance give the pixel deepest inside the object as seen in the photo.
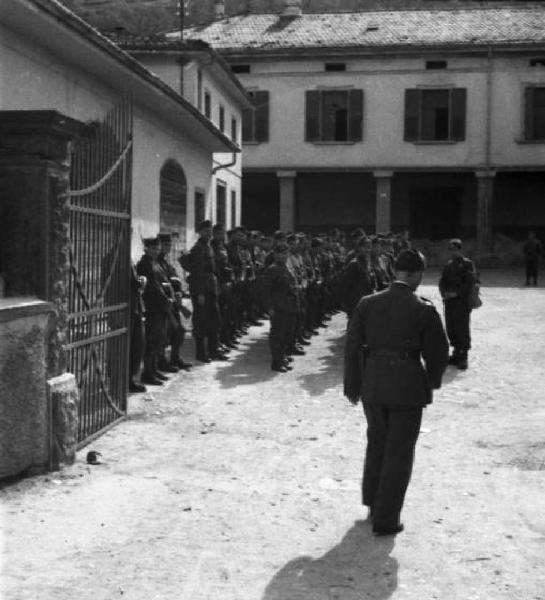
(312, 117)
(458, 101)
(248, 125)
(529, 129)
(262, 116)
(355, 107)
(412, 110)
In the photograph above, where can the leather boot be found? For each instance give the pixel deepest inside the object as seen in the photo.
(201, 355)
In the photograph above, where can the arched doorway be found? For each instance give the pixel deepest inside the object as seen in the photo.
(173, 201)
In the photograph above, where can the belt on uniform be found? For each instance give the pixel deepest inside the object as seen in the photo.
(387, 353)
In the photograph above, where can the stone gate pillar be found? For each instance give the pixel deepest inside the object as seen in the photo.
(35, 149)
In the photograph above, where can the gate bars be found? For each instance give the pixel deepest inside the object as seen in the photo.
(98, 321)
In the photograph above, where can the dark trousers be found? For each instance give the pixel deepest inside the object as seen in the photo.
(156, 327)
(531, 270)
(392, 433)
(137, 344)
(457, 315)
(281, 334)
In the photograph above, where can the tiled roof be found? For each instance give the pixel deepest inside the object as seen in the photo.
(503, 25)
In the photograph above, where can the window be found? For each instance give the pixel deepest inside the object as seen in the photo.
(335, 66)
(234, 129)
(207, 105)
(221, 203)
(435, 115)
(534, 113)
(334, 116)
(436, 64)
(240, 68)
(233, 208)
(255, 122)
(222, 118)
(200, 208)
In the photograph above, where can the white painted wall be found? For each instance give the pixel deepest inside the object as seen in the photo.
(31, 78)
(384, 82)
(166, 67)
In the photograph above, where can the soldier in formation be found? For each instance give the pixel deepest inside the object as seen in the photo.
(237, 278)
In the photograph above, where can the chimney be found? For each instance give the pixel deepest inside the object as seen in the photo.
(292, 8)
(219, 9)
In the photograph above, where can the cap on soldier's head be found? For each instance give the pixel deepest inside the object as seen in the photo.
(218, 227)
(410, 261)
(151, 241)
(206, 224)
(279, 235)
(456, 242)
(291, 238)
(315, 242)
(164, 237)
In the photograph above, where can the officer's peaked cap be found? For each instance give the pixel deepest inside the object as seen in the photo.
(410, 261)
(164, 237)
(151, 241)
(456, 242)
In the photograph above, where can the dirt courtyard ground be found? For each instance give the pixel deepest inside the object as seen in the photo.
(237, 483)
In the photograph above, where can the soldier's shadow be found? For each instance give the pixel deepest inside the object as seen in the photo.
(360, 566)
(327, 369)
(250, 364)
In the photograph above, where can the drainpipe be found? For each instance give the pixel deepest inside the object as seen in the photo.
(226, 165)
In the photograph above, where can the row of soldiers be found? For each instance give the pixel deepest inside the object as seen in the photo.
(237, 278)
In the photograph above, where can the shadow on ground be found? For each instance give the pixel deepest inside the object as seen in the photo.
(328, 369)
(252, 364)
(360, 566)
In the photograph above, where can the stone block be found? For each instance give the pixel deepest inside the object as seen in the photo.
(64, 402)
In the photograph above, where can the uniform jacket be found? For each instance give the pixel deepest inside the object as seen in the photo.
(458, 276)
(532, 249)
(224, 272)
(203, 268)
(357, 281)
(387, 334)
(155, 297)
(136, 300)
(279, 289)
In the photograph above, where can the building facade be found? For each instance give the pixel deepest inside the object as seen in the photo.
(206, 81)
(426, 119)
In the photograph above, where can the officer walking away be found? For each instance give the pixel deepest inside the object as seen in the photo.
(396, 353)
(456, 282)
(532, 250)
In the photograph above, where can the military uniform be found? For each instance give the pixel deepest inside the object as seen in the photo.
(457, 279)
(280, 294)
(396, 352)
(532, 250)
(358, 280)
(137, 334)
(158, 307)
(203, 287)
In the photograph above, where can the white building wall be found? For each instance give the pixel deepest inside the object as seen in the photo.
(39, 80)
(384, 82)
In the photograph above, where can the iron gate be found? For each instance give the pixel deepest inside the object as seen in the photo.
(98, 306)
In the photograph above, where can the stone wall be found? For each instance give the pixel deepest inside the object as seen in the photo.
(24, 412)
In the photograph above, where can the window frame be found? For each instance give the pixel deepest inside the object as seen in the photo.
(207, 109)
(221, 118)
(525, 138)
(413, 115)
(260, 129)
(314, 119)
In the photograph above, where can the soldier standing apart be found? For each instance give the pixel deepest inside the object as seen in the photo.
(137, 335)
(400, 339)
(458, 277)
(532, 250)
(280, 297)
(203, 286)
